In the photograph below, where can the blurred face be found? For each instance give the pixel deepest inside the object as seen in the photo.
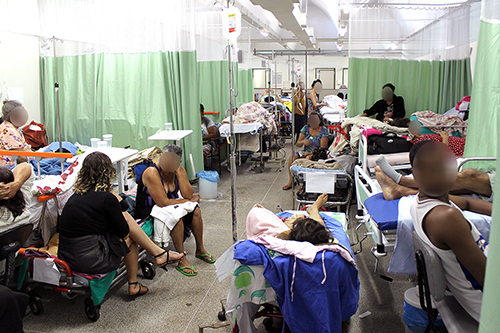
(314, 121)
(387, 94)
(435, 171)
(19, 116)
(170, 162)
(318, 87)
(415, 128)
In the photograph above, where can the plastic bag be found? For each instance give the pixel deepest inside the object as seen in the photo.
(212, 176)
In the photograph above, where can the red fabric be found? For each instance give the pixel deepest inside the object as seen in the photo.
(456, 144)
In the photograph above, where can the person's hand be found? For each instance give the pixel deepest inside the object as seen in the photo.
(4, 191)
(388, 114)
(444, 135)
(307, 143)
(363, 115)
(195, 198)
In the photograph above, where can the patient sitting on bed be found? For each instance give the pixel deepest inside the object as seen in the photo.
(440, 223)
(15, 195)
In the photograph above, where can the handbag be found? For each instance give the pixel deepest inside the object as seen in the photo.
(387, 143)
(35, 135)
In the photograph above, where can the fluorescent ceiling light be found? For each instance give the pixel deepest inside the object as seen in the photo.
(340, 46)
(449, 47)
(299, 16)
(342, 30)
(312, 39)
(264, 33)
(393, 46)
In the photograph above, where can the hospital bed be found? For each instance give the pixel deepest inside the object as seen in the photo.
(314, 182)
(258, 290)
(390, 225)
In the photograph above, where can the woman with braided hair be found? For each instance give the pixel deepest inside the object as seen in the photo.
(96, 232)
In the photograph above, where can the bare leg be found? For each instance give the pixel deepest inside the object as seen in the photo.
(313, 210)
(139, 236)
(471, 180)
(391, 190)
(290, 178)
(177, 235)
(197, 226)
(131, 262)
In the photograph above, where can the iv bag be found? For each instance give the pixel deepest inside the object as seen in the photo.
(232, 24)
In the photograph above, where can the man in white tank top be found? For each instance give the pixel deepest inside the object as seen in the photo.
(440, 223)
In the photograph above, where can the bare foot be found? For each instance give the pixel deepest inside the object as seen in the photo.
(390, 189)
(184, 262)
(320, 202)
(287, 187)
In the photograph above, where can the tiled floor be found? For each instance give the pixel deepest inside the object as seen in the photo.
(179, 304)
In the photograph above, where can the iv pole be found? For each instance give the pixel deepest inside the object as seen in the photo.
(56, 88)
(232, 158)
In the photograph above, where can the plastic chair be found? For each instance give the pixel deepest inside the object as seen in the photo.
(432, 286)
(10, 242)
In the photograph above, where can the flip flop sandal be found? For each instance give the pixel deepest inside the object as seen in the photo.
(139, 293)
(181, 269)
(203, 256)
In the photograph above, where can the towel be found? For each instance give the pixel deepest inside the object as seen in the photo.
(167, 217)
(304, 251)
(261, 221)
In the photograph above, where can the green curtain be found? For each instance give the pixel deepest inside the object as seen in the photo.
(213, 82)
(424, 85)
(128, 95)
(484, 115)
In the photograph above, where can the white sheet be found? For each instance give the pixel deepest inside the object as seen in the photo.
(253, 128)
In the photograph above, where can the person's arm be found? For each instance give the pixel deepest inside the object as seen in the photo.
(185, 187)
(22, 173)
(302, 141)
(314, 100)
(399, 108)
(324, 142)
(375, 109)
(152, 181)
(446, 137)
(212, 133)
(473, 204)
(117, 221)
(447, 228)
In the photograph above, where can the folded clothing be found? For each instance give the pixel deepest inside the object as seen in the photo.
(49, 166)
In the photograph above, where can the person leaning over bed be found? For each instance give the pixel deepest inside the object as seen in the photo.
(311, 137)
(440, 223)
(14, 116)
(165, 184)
(96, 232)
(389, 107)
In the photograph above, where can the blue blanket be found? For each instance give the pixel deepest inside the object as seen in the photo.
(49, 166)
(306, 304)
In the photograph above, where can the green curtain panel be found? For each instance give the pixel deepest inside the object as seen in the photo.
(214, 86)
(424, 85)
(128, 95)
(484, 115)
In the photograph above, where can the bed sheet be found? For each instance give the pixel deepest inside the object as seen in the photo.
(252, 128)
(392, 159)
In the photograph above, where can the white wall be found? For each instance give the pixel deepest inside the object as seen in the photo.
(20, 67)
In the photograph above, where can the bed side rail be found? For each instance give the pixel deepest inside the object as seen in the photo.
(37, 156)
(474, 159)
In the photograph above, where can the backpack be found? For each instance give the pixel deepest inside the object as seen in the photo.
(387, 143)
(141, 167)
(35, 135)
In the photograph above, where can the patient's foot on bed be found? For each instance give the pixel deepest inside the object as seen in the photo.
(390, 189)
(320, 202)
(388, 169)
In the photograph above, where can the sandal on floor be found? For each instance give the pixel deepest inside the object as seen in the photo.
(210, 260)
(140, 292)
(286, 187)
(181, 269)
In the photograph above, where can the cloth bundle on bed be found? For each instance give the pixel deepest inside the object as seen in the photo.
(355, 125)
(254, 112)
(395, 214)
(434, 123)
(334, 104)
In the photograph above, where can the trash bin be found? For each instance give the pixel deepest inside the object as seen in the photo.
(208, 184)
(415, 318)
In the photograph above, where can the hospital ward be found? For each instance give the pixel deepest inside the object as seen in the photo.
(251, 166)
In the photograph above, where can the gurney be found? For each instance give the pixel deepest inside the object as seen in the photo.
(257, 290)
(390, 225)
(337, 183)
